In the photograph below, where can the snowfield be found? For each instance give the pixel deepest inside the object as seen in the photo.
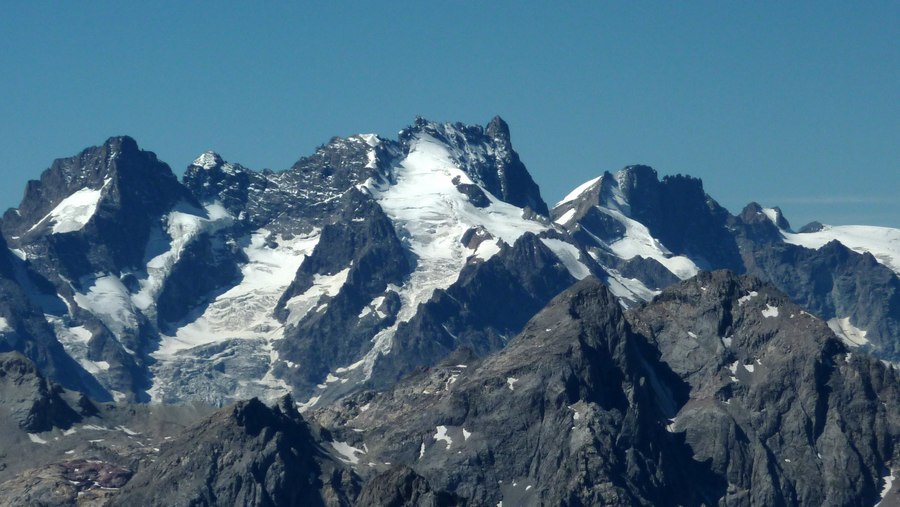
(73, 212)
(431, 215)
(882, 242)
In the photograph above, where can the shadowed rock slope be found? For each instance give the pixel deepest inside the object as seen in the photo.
(720, 392)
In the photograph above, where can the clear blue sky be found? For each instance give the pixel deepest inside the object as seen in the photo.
(786, 103)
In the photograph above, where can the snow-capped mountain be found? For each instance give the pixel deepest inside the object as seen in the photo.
(315, 280)
(648, 232)
(434, 333)
(370, 258)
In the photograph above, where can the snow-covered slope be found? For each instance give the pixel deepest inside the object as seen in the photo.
(73, 213)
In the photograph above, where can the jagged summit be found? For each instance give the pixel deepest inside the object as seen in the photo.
(208, 160)
(488, 157)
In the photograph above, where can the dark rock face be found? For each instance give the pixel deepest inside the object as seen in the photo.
(475, 312)
(362, 241)
(209, 262)
(29, 399)
(402, 487)
(298, 199)
(247, 454)
(25, 330)
(721, 391)
(568, 413)
(86, 474)
(770, 404)
(832, 282)
(678, 212)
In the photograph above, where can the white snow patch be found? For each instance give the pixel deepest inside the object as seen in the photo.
(628, 288)
(886, 488)
(373, 306)
(466, 434)
(352, 367)
(733, 367)
(5, 327)
(772, 214)
(109, 300)
(744, 299)
(576, 193)
(510, 382)
(323, 285)
(75, 342)
(770, 311)
(73, 212)
(310, 403)
(207, 160)
(750, 367)
(882, 242)
(441, 434)
(638, 241)
(850, 334)
(245, 310)
(127, 431)
(94, 427)
(568, 254)
(348, 453)
(671, 426)
(487, 249)
(691, 334)
(370, 139)
(422, 450)
(19, 253)
(36, 439)
(566, 217)
(726, 341)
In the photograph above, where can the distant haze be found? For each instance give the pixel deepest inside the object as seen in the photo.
(787, 104)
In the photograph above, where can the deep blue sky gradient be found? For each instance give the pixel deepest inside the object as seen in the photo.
(785, 103)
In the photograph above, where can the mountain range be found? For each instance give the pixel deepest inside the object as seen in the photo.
(407, 322)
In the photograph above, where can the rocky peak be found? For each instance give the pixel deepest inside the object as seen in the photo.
(754, 214)
(116, 173)
(497, 128)
(634, 178)
(208, 160)
(28, 399)
(762, 224)
(247, 454)
(486, 155)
